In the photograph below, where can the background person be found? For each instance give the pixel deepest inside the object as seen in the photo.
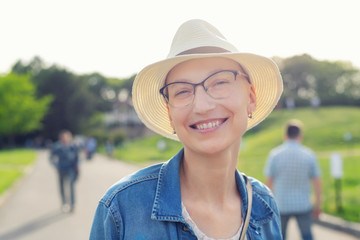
(205, 94)
(64, 156)
(90, 147)
(109, 146)
(290, 168)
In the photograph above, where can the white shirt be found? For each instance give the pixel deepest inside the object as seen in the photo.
(199, 234)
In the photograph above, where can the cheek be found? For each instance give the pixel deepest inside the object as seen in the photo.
(177, 118)
(239, 107)
(239, 104)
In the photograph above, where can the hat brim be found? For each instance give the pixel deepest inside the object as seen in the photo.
(151, 106)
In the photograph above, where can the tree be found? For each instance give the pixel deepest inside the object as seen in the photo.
(34, 67)
(335, 83)
(103, 92)
(73, 103)
(20, 111)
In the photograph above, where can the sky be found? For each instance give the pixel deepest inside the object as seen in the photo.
(117, 38)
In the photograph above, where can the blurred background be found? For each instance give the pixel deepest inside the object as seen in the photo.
(70, 65)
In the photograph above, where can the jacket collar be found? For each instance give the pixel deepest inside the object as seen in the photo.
(167, 202)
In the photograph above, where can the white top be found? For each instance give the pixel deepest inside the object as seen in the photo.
(199, 234)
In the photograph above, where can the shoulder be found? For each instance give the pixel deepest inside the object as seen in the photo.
(140, 181)
(275, 151)
(56, 146)
(264, 204)
(129, 201)
(259, 187)
(264, 213)
(307, 150)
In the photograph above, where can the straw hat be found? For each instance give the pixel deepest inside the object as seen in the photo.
(198, 39)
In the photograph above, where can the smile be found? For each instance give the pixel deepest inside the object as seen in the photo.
(208, 125)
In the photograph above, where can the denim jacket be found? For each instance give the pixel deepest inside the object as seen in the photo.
(64, 158)
(147, 205)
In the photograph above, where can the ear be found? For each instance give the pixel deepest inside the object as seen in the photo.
(252, 100)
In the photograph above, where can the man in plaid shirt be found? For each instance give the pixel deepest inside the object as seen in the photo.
(290, 168)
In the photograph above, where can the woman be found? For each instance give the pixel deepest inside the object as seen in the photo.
(206, 95)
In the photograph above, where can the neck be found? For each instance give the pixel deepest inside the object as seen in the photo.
(296, 139)
(209, 178)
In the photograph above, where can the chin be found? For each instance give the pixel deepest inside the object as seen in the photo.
(211, 148)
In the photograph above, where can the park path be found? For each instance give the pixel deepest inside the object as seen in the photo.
(32, 210)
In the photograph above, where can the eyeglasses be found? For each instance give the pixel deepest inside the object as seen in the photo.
(218, 85)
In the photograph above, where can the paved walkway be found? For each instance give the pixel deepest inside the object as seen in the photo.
(32, 210)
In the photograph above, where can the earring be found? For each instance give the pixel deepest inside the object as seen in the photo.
(174, 132)
(250, 116)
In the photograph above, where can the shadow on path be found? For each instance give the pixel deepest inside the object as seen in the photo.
(34, 225)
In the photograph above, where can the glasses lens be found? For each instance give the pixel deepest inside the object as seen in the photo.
(180, 94)
(220, 84)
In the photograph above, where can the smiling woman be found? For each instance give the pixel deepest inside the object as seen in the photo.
(206, 95)
(209, 117)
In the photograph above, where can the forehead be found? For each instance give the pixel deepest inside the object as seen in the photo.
(197, 69)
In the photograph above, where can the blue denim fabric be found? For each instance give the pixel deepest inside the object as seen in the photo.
(67, 181)
(147, 205)
(64, 158)
(304, 221)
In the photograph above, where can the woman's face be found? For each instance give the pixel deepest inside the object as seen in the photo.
(211, 125)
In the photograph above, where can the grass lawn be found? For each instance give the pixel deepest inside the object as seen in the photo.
(12, 164)
(350, 191)
(324, 131)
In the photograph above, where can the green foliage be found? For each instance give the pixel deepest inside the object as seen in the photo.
(7, 178)
(102, 135)
(78, 100)
(34, 66)
(12, 164)
(73, 103)
(103, 92)
(323, 132)
(335, 83)
(117, 137)
(146, 149)
(20, 111)
(17, 157)
(324, 129)
(350, 187)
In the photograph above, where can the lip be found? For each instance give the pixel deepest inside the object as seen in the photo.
(208, 125)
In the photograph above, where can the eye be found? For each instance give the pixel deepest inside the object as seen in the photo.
(182, 92)
(221, 82)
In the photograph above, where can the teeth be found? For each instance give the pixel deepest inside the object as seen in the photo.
(208, 125)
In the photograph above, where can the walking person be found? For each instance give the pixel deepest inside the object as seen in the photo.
(290, 169)
(90, 147)
(64, 156)
(206, 95)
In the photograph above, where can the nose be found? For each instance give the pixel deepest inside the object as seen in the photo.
(202, 102)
